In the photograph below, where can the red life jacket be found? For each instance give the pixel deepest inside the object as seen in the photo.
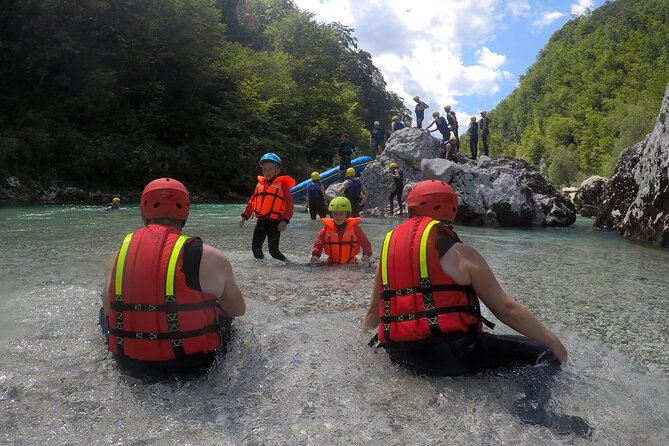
(154, 315)
(418, 300)
(270, 201)
(342, 249)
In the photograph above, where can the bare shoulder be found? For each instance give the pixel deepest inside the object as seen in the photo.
(463, 263)
(213, 257)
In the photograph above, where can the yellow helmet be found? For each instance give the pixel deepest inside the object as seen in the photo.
(416, 98)
(447, 108)
(473, 118)
(340, 204)
(392, 166)
(315, 176)
(395, 118)
(453, 138)
(483, 113)
(435, 114)
(116, 200)
(350, 172)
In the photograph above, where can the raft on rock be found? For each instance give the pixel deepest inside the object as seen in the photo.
(330, 176)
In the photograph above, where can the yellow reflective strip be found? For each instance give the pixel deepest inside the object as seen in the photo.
(423, 249)
(172, 265)
(384, 258)
(120, 264)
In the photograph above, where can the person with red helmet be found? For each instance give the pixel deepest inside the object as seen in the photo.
(169, 299)
(425, 305)
(440, 280)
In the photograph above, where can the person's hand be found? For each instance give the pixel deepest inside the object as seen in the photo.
(315, 259)
(241, 222)
(369, 323)
(282, 226)
(560, 352)
(365, 259)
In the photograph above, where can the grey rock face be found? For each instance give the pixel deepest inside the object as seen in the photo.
(637, 197)
(590, 195)
(496, 192)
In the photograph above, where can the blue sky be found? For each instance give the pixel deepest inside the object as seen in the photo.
(466, 53)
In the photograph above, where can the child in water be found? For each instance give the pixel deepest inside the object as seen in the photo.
(341, 238)
(272, 204)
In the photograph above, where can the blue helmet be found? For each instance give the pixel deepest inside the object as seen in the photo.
(269, 156)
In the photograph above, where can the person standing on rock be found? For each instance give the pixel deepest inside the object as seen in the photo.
(346, 150)
(440, 124)
(473, 136)
(396, 124)
(452, 122)
(420, 111)
(484, 124)
(378, 139)
(398, 186)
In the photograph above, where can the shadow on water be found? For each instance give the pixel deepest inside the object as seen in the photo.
(299, 370)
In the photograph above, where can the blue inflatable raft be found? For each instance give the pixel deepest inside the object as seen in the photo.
(330, 176)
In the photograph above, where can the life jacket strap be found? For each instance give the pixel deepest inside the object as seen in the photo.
(174, 336)
(167, 307)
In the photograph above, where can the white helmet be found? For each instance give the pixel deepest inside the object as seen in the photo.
(377, 123)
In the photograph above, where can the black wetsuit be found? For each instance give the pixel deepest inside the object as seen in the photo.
(398, 188)
(474, 138)
(267, 229)
(485, 133)
(183, 367)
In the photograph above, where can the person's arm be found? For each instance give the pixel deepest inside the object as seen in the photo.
(363, 195)
(288, 209)
(372, 319)
(216, 277)
(474, 270)
(394, 175)
(343, 188)
(248, 210)
(317, 250)
(104, 295)
(365, 245)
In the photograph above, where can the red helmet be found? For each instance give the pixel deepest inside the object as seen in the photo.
(165, 198)
(434, 198)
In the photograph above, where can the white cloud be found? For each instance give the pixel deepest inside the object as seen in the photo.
(547, 18)
(582, 7)
(420, 47)
(518, 7)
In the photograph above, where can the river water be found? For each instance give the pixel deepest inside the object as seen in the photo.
(299, 370)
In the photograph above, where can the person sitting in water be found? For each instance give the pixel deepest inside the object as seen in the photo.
(316, 196)
(115, 204)
(425, 306)
(355, 191)
(434, 325)
(168, 299)
(341, 238)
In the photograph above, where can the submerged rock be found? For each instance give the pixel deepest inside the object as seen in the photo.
(492, 191)
(637, 197)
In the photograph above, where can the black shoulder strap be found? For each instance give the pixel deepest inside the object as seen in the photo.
(191, 263)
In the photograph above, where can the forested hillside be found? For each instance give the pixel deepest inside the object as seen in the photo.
(111, 93)
(595, 89)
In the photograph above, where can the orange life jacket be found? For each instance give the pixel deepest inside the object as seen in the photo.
(342, 249)
(154, 315)
(418, 300)
(270, 201)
